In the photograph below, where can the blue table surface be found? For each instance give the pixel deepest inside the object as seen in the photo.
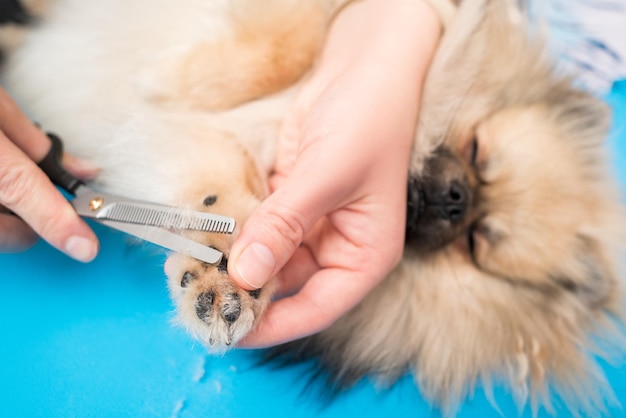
(96, 340)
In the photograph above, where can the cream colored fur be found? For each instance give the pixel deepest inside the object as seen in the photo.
(460, 320)
(175, 101)
(181, 100)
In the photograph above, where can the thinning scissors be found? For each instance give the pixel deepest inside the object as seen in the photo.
(156, 223)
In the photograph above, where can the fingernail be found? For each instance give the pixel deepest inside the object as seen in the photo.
(81, 249)
(256, 265)
(82, 167)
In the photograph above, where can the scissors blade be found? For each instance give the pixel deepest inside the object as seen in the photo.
(102, 206)
(167, 239)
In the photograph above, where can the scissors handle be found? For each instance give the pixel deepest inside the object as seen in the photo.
(51, 165)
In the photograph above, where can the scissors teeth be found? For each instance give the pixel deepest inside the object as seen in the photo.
(152, 222)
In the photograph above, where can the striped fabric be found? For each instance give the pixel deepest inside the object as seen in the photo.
(588, 36)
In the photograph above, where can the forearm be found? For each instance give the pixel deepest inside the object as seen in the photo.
(339, 182)
(385, 47)
(396, 37)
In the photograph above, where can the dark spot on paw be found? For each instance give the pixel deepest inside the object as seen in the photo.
(188, 277)
(231, 308)
(204, 304)
(209, 200)
(222, 267)
(255, 293)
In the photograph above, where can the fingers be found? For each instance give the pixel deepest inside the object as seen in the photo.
(325, 297)
(277, 227)
(300, 267)
(33, 141)
(267, 240)
(27, 191)
(15, 235)
(23, 133)
(79, 168)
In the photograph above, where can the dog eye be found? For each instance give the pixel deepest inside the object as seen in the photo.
(471, 240)
(474, 151)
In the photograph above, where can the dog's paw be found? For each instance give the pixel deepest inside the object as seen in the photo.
(209, 305)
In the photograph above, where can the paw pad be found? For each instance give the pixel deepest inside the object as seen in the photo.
(188, 277)
(210, 305)
(231, 308)
(204, 305)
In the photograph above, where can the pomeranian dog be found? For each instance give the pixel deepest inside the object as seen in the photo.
(511, 273)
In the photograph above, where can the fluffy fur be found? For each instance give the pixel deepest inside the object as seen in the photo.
(511, 270)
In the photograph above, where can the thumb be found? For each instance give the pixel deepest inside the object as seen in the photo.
(27, 191)
(274, 231)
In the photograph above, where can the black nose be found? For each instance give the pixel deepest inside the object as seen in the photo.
(455, 202)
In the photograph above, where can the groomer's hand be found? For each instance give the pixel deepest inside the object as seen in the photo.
(334, 224)
(27, 192)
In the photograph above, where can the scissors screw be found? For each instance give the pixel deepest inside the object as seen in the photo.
(96, 203)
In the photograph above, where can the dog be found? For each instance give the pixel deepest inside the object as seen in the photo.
(515, 228)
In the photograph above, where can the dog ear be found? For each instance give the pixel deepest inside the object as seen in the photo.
(589, 276)
(581, 116)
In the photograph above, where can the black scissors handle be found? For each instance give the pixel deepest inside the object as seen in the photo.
(51, 165)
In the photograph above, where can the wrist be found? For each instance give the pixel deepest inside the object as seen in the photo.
(445, 10)
(396, 34)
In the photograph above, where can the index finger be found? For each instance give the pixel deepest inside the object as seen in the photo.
(28, 192)
(22, 132)
(15, 235)
(328, 295)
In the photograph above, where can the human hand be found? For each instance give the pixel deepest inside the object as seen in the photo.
(334, 225)
(27, 192)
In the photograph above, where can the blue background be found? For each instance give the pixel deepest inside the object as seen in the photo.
(96, 340)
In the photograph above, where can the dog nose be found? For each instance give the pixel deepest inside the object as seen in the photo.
(455, 204)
